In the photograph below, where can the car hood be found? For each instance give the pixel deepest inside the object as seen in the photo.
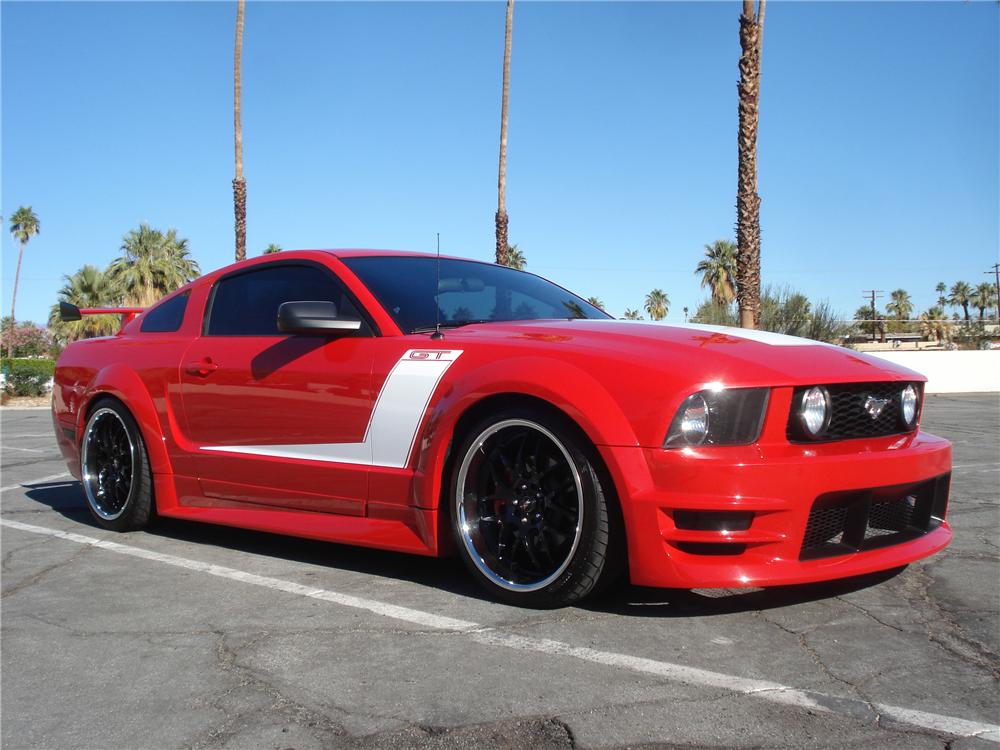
(702, 353)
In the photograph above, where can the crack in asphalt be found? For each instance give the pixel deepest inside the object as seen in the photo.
(803, 640)
(39, 575)
(948, 633)
(245, 678)
(9, 555)
(871, 616)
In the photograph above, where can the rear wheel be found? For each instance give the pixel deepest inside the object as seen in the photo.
(529, 512)
(114, 468)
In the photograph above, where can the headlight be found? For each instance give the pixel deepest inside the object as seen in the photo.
(718, 417)
(814, 411)
(908, 401)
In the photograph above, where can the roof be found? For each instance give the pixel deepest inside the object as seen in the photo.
(367, 253)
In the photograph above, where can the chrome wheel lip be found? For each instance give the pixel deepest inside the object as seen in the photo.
(88, 478)
(463, 525)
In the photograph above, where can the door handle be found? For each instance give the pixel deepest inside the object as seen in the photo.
(202, 369)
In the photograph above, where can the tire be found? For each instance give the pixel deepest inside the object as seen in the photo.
(529, 510)
(114, 468)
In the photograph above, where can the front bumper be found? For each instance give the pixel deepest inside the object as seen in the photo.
(774, 486)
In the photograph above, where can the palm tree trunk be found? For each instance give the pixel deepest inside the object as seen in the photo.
(501, 217)
(13, 303)
(747, 200)
(239, 184)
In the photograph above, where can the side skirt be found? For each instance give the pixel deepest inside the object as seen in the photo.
(409, 530)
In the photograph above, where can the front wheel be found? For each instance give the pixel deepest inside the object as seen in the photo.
(114, 468)
(529, 511)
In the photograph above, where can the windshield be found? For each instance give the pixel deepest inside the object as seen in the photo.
(467, 292)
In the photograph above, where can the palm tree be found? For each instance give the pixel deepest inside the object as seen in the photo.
(24, 225)
(88, 287)
(151, 265)
(712, 313)
(631, 314)
(501, 217)
(272, 248)
(875, 321)
(901, 305)
(747, 200)
(934, 325)
(941, 289)
(983, 297)
(596, 302)
(515, 258)
(961, 296)
(239, 184)
(657, 304)
(718, 271)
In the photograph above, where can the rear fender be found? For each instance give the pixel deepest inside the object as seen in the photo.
(124, 384)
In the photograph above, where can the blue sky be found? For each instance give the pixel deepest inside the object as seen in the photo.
(376, 125)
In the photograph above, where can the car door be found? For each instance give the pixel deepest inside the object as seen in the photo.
(279, 419)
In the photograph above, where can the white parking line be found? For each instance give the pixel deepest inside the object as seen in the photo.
(33, 482)
(770, 691)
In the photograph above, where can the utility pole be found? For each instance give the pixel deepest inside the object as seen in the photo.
(995, 272)
(872, 294)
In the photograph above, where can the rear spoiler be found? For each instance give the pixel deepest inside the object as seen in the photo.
(68, 312)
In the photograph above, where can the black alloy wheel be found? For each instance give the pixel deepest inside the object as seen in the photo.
(530, 512)
(114, 468)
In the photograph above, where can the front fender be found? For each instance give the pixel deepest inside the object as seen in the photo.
(565, 386)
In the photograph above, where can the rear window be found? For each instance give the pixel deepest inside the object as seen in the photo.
(167, 316)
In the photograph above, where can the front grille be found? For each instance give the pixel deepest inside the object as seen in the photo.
(842, 523)
(849, 417)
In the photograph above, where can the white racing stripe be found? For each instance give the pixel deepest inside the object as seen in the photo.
(398, 412)
(679, 673)
(761, 337)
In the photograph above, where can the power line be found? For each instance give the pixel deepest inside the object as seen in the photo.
(873, 293)
(995, 271)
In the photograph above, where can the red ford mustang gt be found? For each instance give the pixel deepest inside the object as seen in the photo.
(394, 401)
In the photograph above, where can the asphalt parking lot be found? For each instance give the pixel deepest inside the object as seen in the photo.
(203, 637)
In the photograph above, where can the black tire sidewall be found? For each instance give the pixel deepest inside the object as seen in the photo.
(583, 572)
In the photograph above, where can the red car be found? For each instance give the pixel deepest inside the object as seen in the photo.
(396, 401)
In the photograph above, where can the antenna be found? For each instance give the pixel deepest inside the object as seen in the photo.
(437, 335)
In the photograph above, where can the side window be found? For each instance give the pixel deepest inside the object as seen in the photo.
(167, 316)
(246, 304)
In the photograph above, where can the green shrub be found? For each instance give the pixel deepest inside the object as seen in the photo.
(27, 377)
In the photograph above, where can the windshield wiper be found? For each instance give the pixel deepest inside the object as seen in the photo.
(449, 324)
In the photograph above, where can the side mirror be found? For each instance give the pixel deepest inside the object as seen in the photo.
(313, 317)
